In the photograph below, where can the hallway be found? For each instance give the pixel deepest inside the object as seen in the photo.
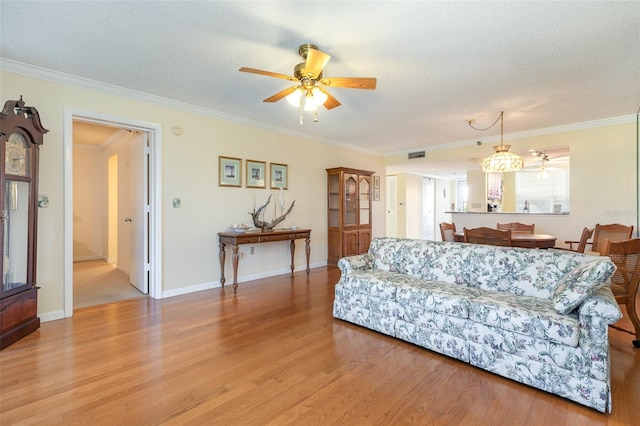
(96, 282)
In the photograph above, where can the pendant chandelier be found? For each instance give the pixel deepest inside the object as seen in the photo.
(502, 160)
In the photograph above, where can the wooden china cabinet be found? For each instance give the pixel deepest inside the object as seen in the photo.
(349, 211)
(21, 135)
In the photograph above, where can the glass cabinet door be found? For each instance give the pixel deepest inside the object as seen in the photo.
(365, 194)
(350, 200)
(334, 200)
(15, 222)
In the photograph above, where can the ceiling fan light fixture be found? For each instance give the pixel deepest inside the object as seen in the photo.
(313, 98)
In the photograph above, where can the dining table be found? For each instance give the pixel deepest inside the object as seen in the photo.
(522, 239)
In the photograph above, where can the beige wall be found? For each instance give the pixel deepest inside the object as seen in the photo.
(88, 204)
(603, 178)
(189, 171)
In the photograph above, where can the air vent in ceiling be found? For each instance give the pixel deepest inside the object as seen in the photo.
(419, 154)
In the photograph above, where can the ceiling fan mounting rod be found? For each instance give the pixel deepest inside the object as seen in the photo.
(303, 50)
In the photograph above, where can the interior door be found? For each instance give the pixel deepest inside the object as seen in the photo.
(138, 220)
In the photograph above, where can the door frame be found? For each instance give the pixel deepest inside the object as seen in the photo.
(155, 203)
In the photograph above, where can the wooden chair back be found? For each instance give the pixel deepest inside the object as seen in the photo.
(582, 244)
(489, 236)
(517, 227)
(447, 230)
(584, 239)
(613, 232)
(624, 282)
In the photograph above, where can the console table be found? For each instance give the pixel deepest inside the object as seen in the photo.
(257, 237)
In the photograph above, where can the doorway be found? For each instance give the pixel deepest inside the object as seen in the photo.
(110, 168)
(146, 216)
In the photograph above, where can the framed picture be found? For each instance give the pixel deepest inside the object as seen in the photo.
(376, 194)
(376, 181)
(255, 174)
(229, 171)
(279, 176)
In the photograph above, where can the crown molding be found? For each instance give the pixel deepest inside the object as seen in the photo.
(625, 119)
(34, 71)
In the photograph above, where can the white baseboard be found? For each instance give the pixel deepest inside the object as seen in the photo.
(241, 279)
(51, 316)
(85, 258)
(190, 289)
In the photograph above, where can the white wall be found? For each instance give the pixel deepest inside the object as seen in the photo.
(88, 204)
(414, 206)
(391, 204)
(190, 164)
(445, 195)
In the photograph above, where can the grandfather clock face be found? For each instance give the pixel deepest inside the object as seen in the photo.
(15, 157)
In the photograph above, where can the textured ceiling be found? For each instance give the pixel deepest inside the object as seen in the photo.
(545, 64)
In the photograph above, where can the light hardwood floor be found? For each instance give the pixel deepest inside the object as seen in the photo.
(272, 354)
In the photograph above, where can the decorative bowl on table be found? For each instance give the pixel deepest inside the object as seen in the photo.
(242, 228)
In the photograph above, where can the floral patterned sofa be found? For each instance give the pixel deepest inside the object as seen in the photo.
(539, 317)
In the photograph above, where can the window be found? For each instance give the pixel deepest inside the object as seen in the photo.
(462, 195)
(543, 190)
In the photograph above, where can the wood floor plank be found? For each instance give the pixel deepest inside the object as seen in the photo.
(272, 354)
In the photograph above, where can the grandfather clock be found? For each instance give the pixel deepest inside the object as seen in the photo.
(21, 135)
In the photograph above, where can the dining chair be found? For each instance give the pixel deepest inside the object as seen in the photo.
(447, 230)
(624, 281)
(517, 227)
(611, 232)
(582, 244)
(489, 236)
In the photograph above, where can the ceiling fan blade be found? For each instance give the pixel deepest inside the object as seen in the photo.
(331, 102)
(268, 73)
(281, 94)
(350, 83)
(316, 61)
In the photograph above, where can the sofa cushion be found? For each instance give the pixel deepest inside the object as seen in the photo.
(537, 272)
(516, 270)
(526, 315)
(443, 262)
(386, 252)
(450, 299)
(376, 282)
(588, 361)
(582, 282)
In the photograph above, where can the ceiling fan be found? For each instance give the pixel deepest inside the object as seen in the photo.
(309, 92)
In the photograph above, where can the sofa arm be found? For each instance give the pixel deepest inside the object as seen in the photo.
(358, 262)
(602, 304)
(595, 315)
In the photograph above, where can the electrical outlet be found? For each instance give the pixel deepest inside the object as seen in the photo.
(252, 250)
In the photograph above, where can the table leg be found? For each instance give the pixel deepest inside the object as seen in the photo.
(234, 261)
(221, 255)
(307, 250)
(292, 247)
